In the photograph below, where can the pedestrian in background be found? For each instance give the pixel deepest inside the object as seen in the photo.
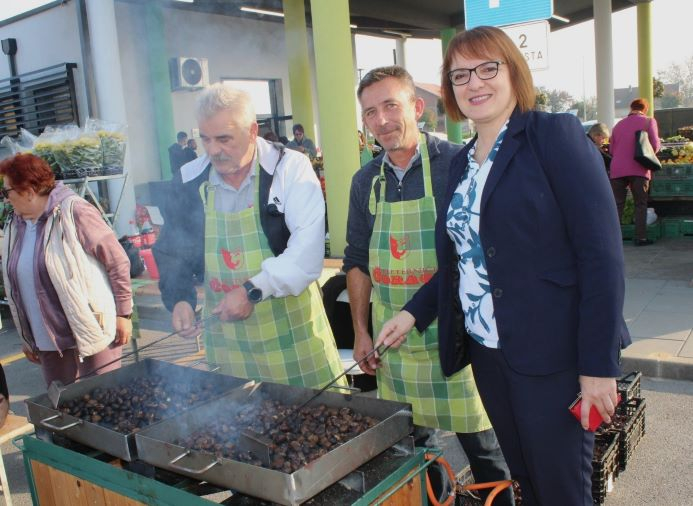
(626, 172)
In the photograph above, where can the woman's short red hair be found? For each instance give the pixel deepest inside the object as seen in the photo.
(640, 104)
(487, 42)
(28, 171)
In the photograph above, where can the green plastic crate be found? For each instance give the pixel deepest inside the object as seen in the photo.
(671, 227)
(677, 170)
(672, 188)
(654, 231)
(687, 226)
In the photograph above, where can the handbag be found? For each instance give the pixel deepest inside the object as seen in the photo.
(644, 154)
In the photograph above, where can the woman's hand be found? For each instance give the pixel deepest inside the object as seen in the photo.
(123, 330)
(395, 331)
(30, 355)
(600, 393)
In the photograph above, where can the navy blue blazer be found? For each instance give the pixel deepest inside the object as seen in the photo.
(554, 255)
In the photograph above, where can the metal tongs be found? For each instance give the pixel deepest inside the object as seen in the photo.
(259, 444)
(57, 387)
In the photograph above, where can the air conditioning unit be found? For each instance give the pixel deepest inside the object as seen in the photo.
(188, 73)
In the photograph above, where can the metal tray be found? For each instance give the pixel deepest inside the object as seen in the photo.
(122, 445)
(155, 445)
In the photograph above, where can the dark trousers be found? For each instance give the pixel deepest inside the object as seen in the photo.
(548, 452)
(638, 187)
(487, 462)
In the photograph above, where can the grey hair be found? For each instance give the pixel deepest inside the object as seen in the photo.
(220, 97)
(598, 129)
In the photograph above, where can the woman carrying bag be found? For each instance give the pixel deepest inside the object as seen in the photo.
(626, 171)
(66, 276)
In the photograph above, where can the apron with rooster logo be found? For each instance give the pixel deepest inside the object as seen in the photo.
(285, 340)
(402, 257)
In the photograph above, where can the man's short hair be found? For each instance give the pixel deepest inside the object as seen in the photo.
(221, 97)
(181, 136)
(381, 73)
(598, 129)
(298, 128)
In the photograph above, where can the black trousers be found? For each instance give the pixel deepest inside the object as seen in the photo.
(546, 449)
(638, 187)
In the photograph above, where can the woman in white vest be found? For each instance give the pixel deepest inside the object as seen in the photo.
(67, 278)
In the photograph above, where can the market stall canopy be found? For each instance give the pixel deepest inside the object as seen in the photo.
(403, 18)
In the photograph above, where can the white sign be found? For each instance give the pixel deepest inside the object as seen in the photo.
(532, 39)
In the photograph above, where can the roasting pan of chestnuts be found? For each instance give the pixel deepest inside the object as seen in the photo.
(310, 449)
(104, 412)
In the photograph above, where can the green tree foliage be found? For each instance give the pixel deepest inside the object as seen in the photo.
(657, 88)
(429, 119)
(557, 100)
(681, 73)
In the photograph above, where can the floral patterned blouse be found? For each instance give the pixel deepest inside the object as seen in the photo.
(463, 228)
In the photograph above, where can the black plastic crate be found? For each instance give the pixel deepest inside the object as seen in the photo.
(605, 464)
(629, 385)
(629, 422)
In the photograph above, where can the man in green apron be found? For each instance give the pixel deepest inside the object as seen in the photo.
(248, 221)
(390, 254)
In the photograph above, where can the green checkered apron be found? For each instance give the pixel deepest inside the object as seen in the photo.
(285, 340)
(402, 258)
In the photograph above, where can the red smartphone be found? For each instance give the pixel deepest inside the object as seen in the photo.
(595, 419)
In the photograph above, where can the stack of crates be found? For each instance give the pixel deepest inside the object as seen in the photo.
(615, 443)
(654, 231)
(677, 226)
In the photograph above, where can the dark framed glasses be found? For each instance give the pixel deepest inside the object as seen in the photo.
(5, 192)
(484, 71)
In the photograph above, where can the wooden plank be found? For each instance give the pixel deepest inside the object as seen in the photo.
(42, 480)
(91, 494)
(408, 494)
(65, 489)
(114, 499)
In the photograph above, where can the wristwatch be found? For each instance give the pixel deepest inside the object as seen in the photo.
(126, 316)
(254, 293)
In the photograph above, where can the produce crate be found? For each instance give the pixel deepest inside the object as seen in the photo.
(671, 187)
(687, 226)
(671, 227)
(628, 232)
(604, 464)
(675, 170)
(628, 385)
(654, 231)
(629, 423)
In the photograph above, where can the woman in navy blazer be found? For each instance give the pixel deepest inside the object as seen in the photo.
(530, 280)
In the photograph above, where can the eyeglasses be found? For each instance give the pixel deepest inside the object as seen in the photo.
(5, 192)
(484, 71)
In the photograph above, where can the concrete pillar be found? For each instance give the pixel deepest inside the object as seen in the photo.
(160, 84)
(110, 96)
(645, 88)
(453, 128)
(337, 110)
(400, 51)
(603, 49)
(296, 36)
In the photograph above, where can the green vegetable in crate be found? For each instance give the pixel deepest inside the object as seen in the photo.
(45, 151)
(113, 148)
(628, 211)
(84, 155)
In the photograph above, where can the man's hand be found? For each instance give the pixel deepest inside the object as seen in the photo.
(234, 306)
(598, 392)
(395, 331)
(183, 320)
(30, 355)
(363, 345)
(123, 330)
